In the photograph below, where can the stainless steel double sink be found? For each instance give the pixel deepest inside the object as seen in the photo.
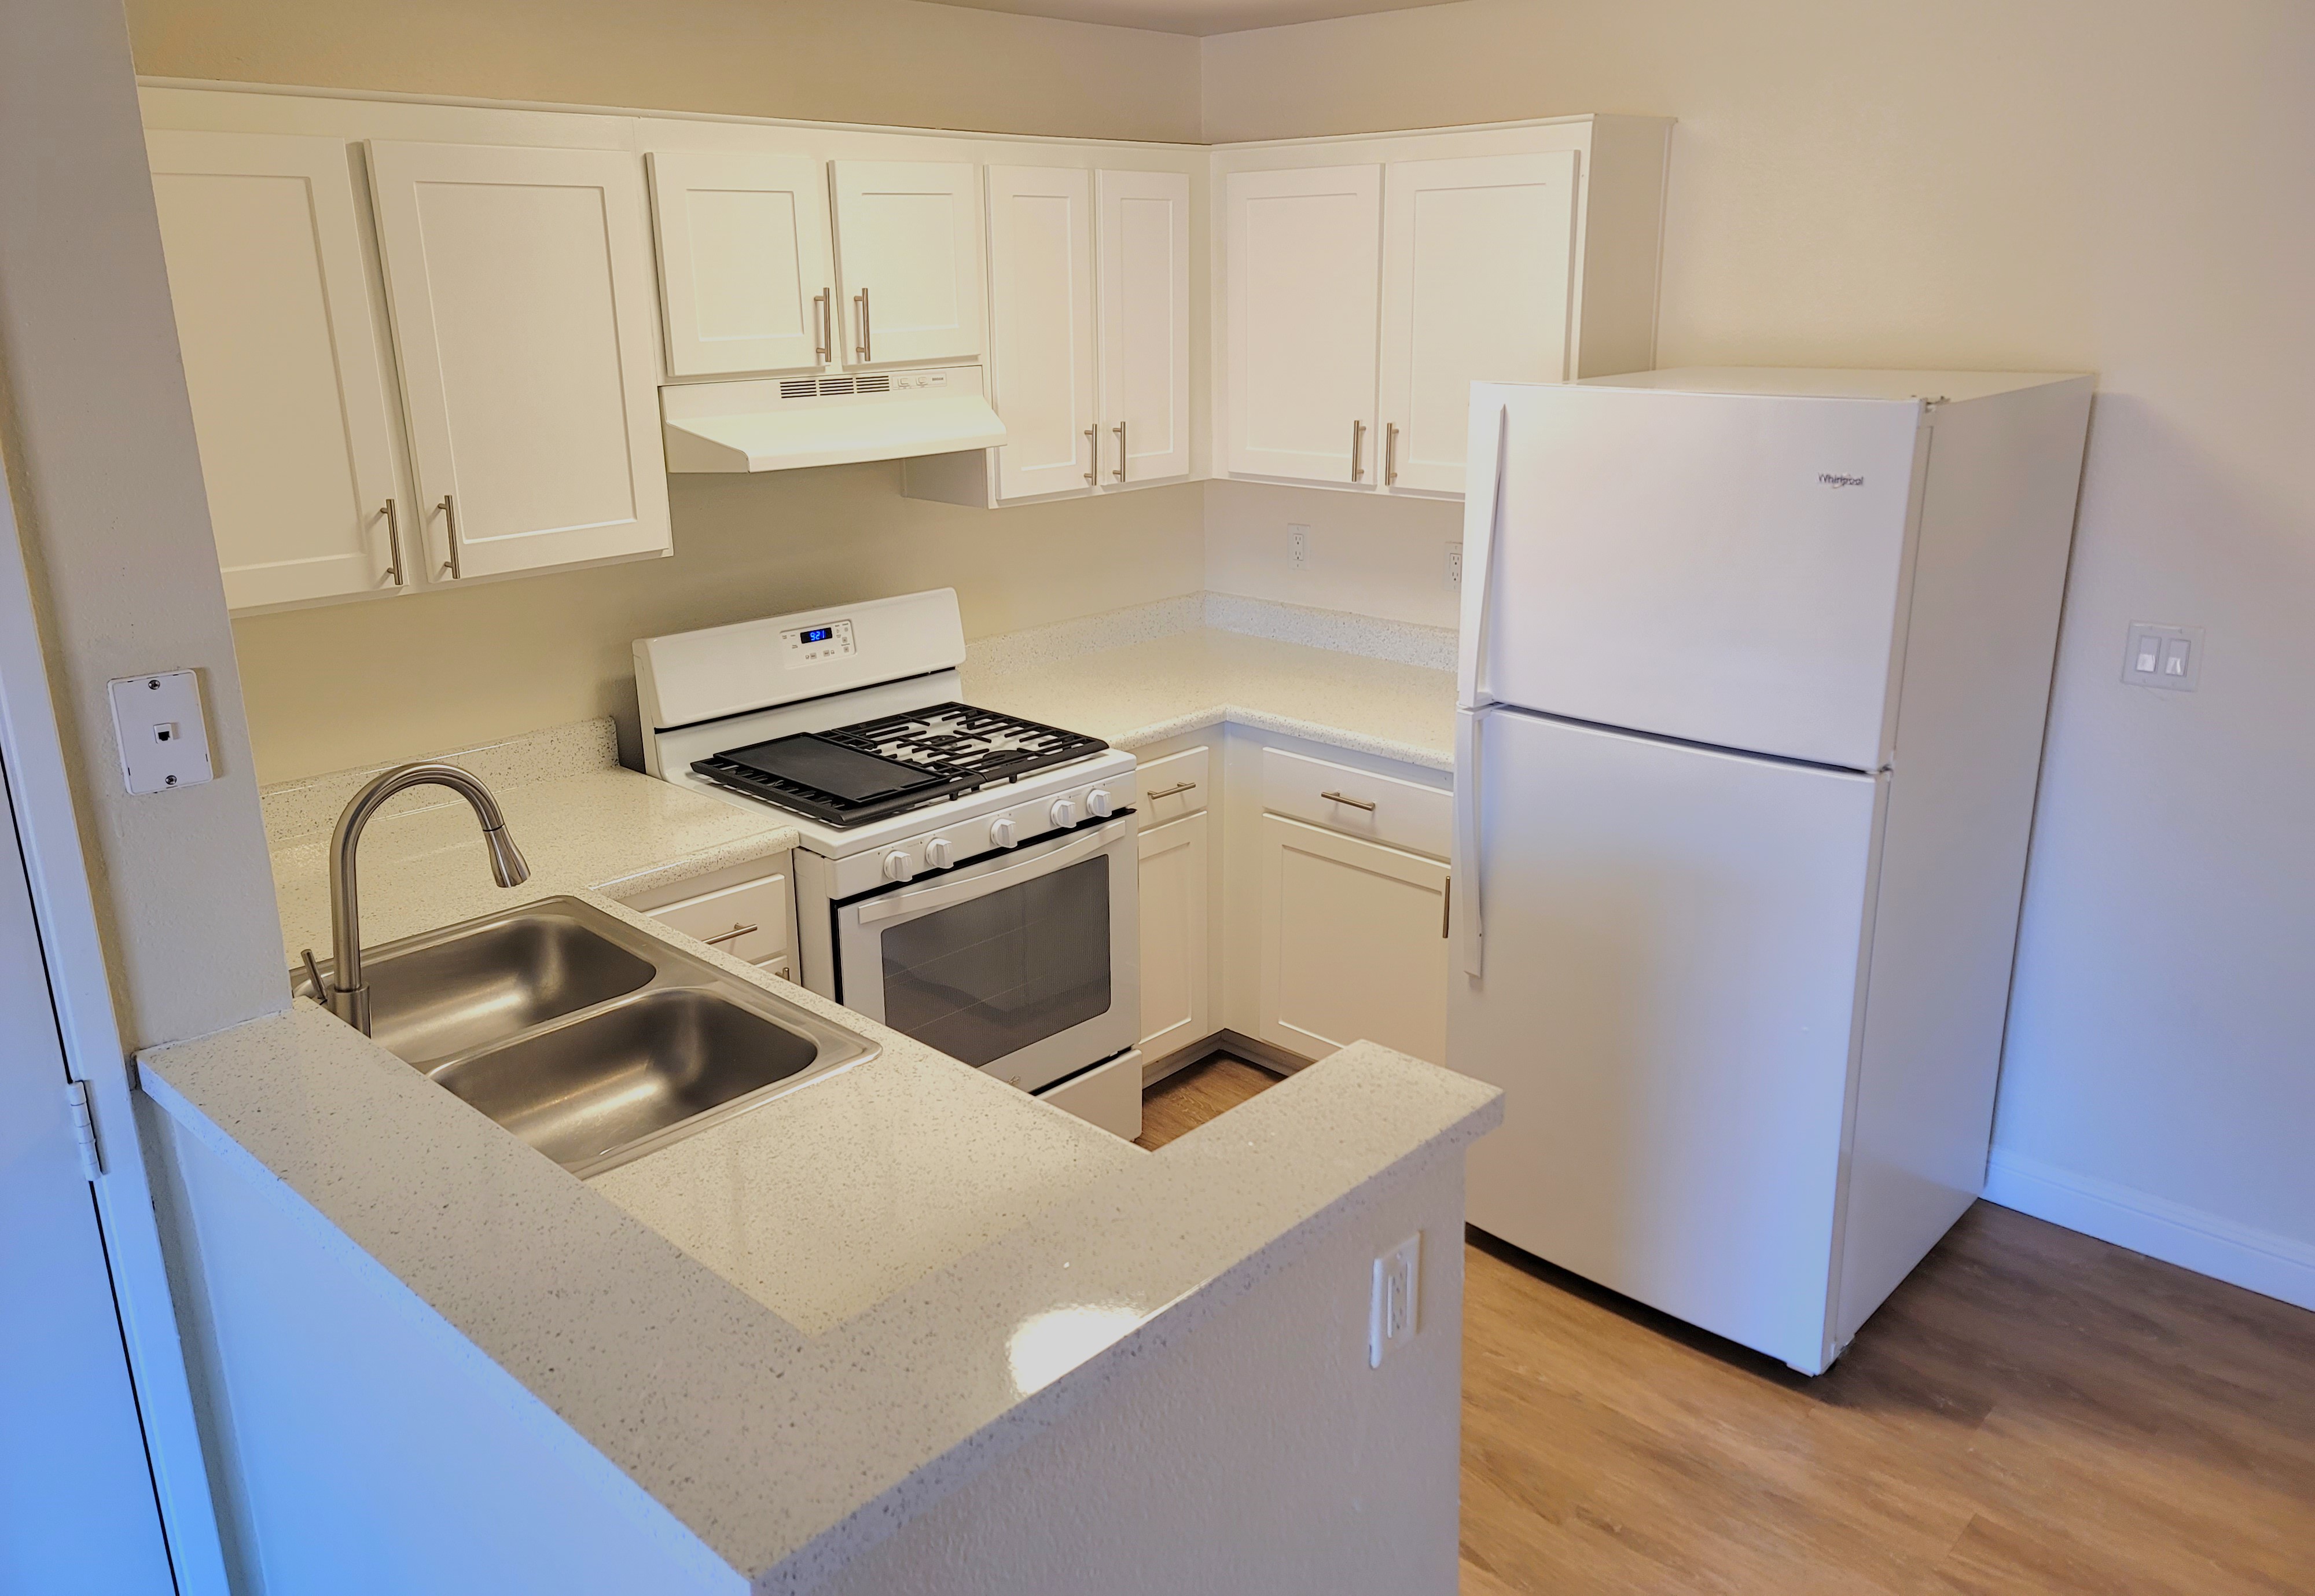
(593, 1040)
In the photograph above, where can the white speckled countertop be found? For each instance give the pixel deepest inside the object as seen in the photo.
(581, 820)
(802, 1405)
(1138, 676)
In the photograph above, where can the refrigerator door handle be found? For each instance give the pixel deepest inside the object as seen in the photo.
(1483, 515)
(1469, 929)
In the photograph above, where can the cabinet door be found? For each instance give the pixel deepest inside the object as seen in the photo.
(1144, 288)
(1477, 261)
(908, 251)
(1175, 973)
(1042, 337)
(269, 278)
(1354, 944)
(521, 282)
(1304, 263)
(745, 274)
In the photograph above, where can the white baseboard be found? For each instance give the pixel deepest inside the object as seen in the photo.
(2255, 1260)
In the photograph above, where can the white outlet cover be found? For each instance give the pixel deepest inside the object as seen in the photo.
(164, 742)
(1394, 1310)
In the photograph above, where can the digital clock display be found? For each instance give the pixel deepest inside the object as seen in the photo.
(817, 635)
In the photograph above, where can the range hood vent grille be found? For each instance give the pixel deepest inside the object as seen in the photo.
(810, 388)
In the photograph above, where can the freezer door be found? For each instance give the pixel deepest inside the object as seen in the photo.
(1728, 568)
(1673, 940)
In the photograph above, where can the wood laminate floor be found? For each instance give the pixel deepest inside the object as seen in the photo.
(2033, 1411)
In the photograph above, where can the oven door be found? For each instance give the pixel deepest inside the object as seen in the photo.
(1023, 963)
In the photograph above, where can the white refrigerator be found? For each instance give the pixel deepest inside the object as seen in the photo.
(1754, 670)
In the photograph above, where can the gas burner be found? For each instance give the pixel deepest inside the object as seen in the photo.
(886, 766)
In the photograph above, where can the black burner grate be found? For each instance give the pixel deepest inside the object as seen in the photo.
(888, 765)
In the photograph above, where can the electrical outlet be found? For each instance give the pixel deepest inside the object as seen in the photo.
(2159, 656)
(1392, 1311)
(1297, 544)
(1455, 567)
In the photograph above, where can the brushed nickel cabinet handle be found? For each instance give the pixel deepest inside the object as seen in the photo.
(450, 524)
(1120, 430)
(394, 542)
(734, 934)
(1176, 791)
(824, 324)
(1358, 442)
(1093, 453)
(864, 343)
(1390, 454)
(1346, 798)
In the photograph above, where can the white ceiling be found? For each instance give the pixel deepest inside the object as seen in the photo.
(1193, 16)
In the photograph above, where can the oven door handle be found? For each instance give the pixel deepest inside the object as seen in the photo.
(944, 894)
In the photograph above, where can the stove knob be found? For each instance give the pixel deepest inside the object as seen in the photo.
(938, 854)
(896, 866)
(1064, 812)
(1097, 801)
(1001, 831)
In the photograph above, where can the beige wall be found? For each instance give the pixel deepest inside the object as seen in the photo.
(352, 684)
(881, 61)
(106, 484)
(2074, 186)
(355, 684)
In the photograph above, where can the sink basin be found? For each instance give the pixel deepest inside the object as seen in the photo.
(590, 1038)
(614, 1080)
(437, 996)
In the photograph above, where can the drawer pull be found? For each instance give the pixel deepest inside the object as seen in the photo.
(1344, 798)
(1176, 791)
(734, 934)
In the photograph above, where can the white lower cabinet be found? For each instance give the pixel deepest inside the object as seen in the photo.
(748, 911)
(1351, 943)
(1175, 973)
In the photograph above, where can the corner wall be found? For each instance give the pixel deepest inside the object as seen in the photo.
(2070, 186)
(99, 440)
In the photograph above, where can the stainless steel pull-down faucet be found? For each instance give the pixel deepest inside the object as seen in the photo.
(345, 992)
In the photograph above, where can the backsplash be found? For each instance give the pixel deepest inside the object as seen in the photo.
(1403, 642)
(299, 810)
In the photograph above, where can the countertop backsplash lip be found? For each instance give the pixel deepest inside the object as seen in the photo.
(307, 807)
(1373, 637)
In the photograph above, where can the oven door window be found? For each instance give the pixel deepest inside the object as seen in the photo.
(993, 975)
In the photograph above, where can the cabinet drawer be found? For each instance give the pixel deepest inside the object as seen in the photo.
(1169, 788)
(1378, 807)
(758, 911)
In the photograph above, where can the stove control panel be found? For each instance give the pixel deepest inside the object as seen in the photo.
(808, 646)
(959, 841)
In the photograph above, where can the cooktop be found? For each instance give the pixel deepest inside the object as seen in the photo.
(870, 770)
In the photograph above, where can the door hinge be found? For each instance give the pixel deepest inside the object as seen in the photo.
(84, 1128)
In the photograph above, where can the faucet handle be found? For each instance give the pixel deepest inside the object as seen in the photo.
(314, 975)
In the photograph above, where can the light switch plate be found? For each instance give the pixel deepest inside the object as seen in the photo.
(2160, 656)
(1393, 1309)
(164, 742)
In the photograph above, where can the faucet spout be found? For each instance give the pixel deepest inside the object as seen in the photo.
(348, 994)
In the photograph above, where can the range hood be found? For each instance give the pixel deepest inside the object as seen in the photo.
(782, 423)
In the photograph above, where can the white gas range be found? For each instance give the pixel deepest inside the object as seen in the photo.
(964, 876)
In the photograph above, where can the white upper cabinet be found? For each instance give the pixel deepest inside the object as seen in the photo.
(521, 281)
(1041, 328)
(269, 274)
(907, 244)
(1304, 266)
(1143, 277)
(746, 278)
(1382, 290)
(1477, 260)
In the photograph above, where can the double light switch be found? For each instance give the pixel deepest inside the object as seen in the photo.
(2160, 656)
